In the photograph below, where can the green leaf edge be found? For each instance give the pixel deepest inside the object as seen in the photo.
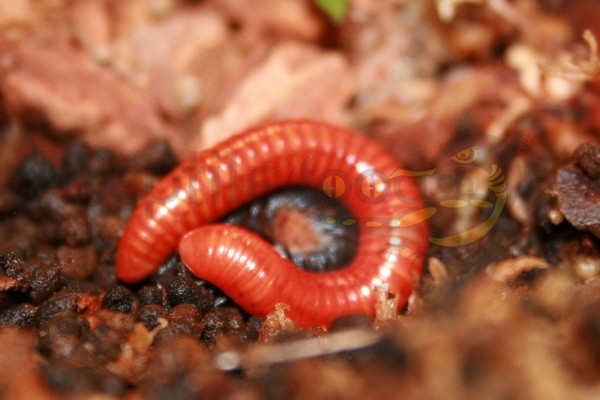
(336, 9)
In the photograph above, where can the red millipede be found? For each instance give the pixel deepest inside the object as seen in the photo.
(346, 165)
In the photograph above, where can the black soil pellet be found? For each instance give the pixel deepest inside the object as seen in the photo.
(34, 174)
(78, 191)
(251, 331)
(255, 323)
(173, 266)
(152, 295)
(48, 206)
(157, 158)
(118, 298)
(185, 319)
(11, 266)
(20, 314)
(149, 315)
(75, 230)
(59, 301)
(67, 323)
(45, 280)
(221, 321)
(76, 159)
(59, 338)
(182, 289)
(102, 162)
(105, 342)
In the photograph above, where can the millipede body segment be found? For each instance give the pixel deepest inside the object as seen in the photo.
(347, 166)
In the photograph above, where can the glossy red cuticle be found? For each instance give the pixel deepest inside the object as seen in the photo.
(390, 251)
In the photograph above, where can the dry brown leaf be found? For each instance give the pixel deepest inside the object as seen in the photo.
(292, 18)
(295, 81)
(579, 199)
(161, 58)
(73, 94)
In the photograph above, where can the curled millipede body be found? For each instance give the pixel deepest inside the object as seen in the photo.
(385, 202)
(313, 231)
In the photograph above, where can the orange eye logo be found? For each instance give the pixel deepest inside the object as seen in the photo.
(334, 186)
(466, 156)
(372, 186)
